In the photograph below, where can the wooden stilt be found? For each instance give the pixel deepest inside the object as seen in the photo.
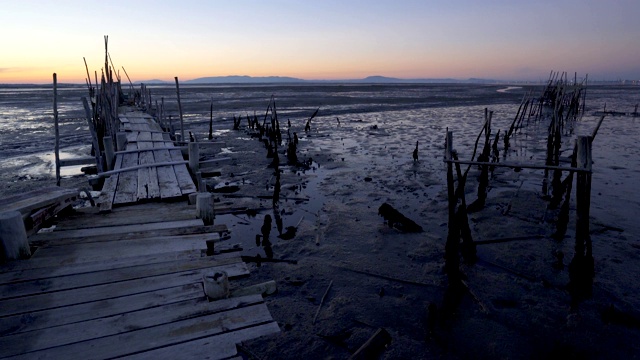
(56, 129)
(581, 269)
(194, 157)
(94, 135)
(451, 251)
(180, 110)
(108, 152)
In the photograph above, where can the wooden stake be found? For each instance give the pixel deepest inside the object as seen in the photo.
(56, 129)
(211, 120)
(451, 250)
(194, 157)
(94, 135)
(180, 110)
(108, 152)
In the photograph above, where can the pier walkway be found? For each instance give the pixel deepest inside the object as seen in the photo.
(127, 281)
(150, 166)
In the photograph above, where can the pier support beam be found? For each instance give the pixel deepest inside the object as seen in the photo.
(13, 236)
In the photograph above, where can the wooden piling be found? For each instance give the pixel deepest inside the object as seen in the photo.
(13, 236)
(581, 269)
(451, 251)
(121, 141)
(56, 128)
(108, 152)
(180, 110)
(94, 135)
(194, 157)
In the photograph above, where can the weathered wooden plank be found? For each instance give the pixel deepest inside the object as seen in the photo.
(25, 305)
(40, 286)
(27, 202)
(20, 274)
(132, 137)
(167, 179)
(148, 187)
(68, 334)
(182, 174)
(224, 345)
(143, 234)
(43, 319)
(116, 229)
(159, 336)
(78, 161)
(37, 219)
(127, 189)
(139, 214)
(109, 188)
(100, 251)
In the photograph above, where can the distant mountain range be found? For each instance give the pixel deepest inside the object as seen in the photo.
(244, 79)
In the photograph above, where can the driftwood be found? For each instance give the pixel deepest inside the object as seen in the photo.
(265, 288)
(322, 302)
(374, 346)
(395, 219)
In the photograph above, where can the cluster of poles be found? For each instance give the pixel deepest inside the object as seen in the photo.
(561, 104)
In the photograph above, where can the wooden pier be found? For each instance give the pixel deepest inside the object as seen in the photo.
(127, 281)
(147, 165)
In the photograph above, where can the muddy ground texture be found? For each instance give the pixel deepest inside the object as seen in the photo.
(517, 305)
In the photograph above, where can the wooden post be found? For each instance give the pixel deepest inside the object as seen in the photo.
(121, 141)
(194, 157)
(180, 110)
(57, 130)
(108, 151)
(581, 269)
(452, 260)
(94, 135)
(13, 236)
(205, 208)
(211, 120)
(201, 186)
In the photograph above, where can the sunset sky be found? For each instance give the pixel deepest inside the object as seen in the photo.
(321, 39)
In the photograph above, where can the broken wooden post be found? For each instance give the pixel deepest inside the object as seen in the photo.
(56, 129)
(581, 269)
(13, 236)
(194, 158)
(205, 208)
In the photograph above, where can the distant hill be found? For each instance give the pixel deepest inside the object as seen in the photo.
(244, 79)
(375, 79)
